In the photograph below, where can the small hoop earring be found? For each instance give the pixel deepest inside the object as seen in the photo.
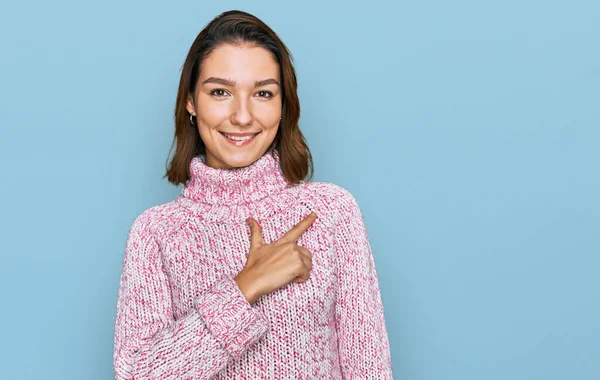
(191, 119)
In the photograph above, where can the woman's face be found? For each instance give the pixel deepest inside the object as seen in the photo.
(238, 93)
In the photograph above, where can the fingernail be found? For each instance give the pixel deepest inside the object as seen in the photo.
(248, 222)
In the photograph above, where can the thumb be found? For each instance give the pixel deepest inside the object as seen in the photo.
(256, 238)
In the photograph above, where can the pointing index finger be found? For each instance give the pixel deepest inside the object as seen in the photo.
(295, 232)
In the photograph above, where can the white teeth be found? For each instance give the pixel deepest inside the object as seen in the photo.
(236, 138)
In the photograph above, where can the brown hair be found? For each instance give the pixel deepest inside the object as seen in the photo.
(238, 27)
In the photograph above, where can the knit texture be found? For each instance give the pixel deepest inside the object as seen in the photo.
(181, 315)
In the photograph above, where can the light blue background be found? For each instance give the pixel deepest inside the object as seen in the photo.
(468, 131)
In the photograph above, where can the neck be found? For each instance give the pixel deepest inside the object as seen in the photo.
(261, 179)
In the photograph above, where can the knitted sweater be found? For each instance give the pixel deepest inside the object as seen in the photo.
(181, 315)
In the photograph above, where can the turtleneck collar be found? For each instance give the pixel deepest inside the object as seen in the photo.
(261, 179)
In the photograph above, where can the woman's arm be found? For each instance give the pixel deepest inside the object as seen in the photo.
(150, 344)
(362, 334)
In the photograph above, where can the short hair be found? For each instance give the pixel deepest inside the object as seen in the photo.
(237, 28)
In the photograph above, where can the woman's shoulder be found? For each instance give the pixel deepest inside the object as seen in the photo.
(334, 203)
(331, 195)
(159, 220)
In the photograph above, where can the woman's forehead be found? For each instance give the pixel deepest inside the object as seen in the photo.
(243, 65)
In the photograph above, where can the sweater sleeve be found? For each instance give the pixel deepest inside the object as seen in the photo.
(150, 344)
(362, 335)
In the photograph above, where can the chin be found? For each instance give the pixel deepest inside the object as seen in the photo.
(240, 159)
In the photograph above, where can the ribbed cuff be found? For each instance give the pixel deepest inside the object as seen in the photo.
(230, 317)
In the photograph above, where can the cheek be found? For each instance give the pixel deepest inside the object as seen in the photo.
(212, 114)
(268, 114)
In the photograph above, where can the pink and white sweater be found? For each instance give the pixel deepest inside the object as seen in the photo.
(181, 315)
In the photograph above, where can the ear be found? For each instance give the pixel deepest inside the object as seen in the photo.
(190, 105)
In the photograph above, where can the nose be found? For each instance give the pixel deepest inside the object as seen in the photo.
(241, 113)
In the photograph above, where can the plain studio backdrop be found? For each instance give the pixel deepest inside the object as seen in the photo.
(468, 131)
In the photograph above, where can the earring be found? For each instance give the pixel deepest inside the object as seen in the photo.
(191, 119)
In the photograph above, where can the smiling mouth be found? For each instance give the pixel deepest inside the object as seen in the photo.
(239, 140)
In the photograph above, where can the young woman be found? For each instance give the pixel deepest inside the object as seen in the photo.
(253, 272)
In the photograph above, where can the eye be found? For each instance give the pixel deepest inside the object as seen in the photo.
(265, 94)
(218, 92)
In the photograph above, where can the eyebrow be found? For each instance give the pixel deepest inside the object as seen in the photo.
(228, 82)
